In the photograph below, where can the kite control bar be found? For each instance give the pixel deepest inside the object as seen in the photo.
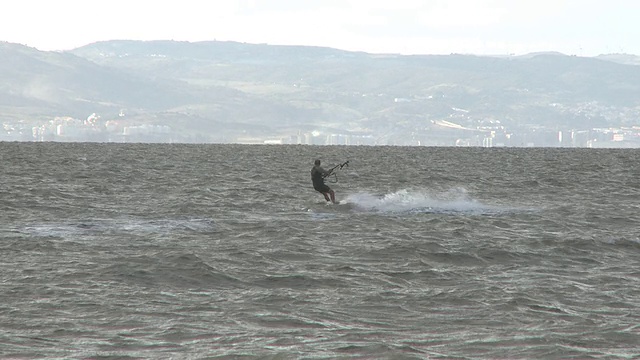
(337, 167)
(346, 163)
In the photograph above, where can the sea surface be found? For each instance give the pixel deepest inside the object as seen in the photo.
(169, 251)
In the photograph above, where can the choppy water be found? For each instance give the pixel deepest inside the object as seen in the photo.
(206, 251)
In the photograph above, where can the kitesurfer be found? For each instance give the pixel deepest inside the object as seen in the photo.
(317, 178)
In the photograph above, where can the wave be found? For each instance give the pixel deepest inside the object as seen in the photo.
(101, 227)
(455, 200)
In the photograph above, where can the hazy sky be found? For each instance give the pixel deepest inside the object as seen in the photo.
(573, 27)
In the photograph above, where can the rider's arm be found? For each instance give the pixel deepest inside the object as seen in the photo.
(324, 172)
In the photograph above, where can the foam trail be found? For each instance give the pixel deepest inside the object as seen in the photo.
(419, 201)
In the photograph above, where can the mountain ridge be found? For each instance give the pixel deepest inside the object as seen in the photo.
(231, 88)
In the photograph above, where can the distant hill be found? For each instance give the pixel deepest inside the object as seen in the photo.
(56, 83)
(230, 87)
(626, 59)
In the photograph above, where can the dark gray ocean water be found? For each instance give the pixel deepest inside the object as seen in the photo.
(225, 251)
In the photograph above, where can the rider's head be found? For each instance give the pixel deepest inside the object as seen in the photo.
(317, 162)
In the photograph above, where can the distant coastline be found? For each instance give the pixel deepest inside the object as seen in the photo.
(229, 92)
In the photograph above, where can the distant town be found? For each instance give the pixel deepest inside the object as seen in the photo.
(457, 130)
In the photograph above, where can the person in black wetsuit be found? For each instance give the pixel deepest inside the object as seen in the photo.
(317, 177)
